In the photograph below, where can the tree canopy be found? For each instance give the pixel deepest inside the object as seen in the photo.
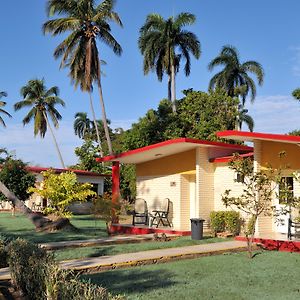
(199, 115)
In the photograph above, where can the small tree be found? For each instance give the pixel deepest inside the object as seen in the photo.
(105, 209)
(257, 195)
(62, 190)
(16, 178)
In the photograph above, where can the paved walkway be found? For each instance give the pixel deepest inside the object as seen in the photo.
(101, 263)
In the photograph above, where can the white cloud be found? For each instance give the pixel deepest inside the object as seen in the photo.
(275, 114)
(37, 151)
(125, 124)
(42, 152)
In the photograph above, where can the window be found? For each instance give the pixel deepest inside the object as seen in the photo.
(94, 187)
(240, 178)
(286, 187)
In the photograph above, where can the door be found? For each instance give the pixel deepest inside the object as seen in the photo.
(285, 190)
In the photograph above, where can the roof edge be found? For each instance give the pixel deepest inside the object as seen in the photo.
(258, 135)
(174, 141)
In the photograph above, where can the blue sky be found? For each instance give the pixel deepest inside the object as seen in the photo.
(266, 31)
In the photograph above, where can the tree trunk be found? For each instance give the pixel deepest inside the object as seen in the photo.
(169, 88)
(55, 142)
(37, 219)
(104, 119)
(40, 222)
(173, 85)
(96, 125)
(250, 236)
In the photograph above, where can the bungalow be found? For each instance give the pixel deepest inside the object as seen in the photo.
(266, 152)
(194, 174)
(37, 203)
(191, 173)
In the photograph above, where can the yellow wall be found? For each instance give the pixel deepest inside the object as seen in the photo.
(173, 164)
(270, 155)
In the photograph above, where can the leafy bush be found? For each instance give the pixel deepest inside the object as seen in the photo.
(38, 277)
(232, 222)
(217, 221)
(62, 190)
(221, 221)
(64, 284)
(4, 241)
(27, 264)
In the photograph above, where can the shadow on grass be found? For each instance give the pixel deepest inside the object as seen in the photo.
(101, 251)
(133, 281)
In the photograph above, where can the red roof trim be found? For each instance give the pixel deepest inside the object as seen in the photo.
(175, 141)
(78, 172)
(226, 159)
(259, 135)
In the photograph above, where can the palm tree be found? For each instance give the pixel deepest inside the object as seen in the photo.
(234, 77)
(2, 111)
(82, 125)
(86, 23)
(158, 42)
(43, 102)
(244, 117)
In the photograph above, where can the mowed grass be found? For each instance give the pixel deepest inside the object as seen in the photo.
(95, 251)
(20, 226)
(270, 275)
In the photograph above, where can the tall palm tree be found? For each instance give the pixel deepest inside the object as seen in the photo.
(2, 111)
(158, 42)
(43, 102)
(234, 78)
(86, 22)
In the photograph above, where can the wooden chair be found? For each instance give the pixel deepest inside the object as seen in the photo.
(140, 213)
(161, 215)
(296, 226)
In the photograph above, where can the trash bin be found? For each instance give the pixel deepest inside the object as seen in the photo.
(197, 228)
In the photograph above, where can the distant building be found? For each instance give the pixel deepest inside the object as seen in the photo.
(36, 202)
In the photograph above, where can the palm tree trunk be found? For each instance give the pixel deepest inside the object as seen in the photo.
(169, 88)
(104, 119)
(55, 142)
(96, 125)
(37, 219)
(173, 86)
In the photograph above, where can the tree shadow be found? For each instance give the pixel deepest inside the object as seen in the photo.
(132, 281)
(101, 251)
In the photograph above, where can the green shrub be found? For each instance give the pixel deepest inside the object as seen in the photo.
(232, 222)
(64, 284)
(221, 221)
(4, 241)
(27, 264)
(38, 277)
(217, 222)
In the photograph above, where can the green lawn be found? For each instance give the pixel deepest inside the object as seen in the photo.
(20, 226)
(95, 251)
(270, 275)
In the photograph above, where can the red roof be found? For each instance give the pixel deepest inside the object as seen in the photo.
(252, 136)
(169, 147)
(78, 172)
(229, 158)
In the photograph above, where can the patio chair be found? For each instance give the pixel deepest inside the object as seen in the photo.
(296, 226)
(161, 215)
(140, 213)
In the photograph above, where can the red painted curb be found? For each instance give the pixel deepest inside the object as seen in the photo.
(125, 229)
(275, 245)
